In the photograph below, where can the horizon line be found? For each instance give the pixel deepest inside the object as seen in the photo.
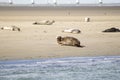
(104, 4)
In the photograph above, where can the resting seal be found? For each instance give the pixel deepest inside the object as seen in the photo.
(68, 41)
(12, 28)
(44, 22)
(76, 31)
(113, 29)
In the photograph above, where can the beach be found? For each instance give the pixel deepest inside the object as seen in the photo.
(39, 41)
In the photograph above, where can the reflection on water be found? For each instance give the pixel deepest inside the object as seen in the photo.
(73, 68)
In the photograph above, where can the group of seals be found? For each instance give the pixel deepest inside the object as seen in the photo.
(75, 31)
(113, 29)
(12, 28)
(68, 41)
(44, 22)
(71, 41)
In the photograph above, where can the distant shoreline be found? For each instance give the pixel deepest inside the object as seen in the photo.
(60, 5)
(60, 10)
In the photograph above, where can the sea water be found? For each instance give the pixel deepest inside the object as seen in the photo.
(71, 68)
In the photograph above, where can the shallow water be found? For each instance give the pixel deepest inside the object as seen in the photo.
(73, 68)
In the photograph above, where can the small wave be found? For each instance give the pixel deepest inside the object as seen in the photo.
(71, 68)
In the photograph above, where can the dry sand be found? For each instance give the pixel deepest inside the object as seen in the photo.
(39, 41)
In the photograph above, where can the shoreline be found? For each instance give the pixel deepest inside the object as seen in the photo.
(53, 58)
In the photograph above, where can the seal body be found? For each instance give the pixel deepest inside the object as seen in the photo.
(113, 29)
(75, 31)
(44, 22)
(68, 41)
(12, 28)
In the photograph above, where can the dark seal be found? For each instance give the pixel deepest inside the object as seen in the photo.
(113, 29)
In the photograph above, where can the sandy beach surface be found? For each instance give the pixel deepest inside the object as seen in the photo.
(39, 41)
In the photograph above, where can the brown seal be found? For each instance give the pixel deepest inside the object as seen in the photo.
(68, 41)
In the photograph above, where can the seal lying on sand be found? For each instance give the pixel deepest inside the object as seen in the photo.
(68, 41)
(44, 22)
(113, 29)
(76, 31)
(12, 28)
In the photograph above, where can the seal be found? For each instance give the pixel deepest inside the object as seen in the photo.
(12, 28)
(113, 29)
(44, 22)
(68, 41)
(75, 31)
